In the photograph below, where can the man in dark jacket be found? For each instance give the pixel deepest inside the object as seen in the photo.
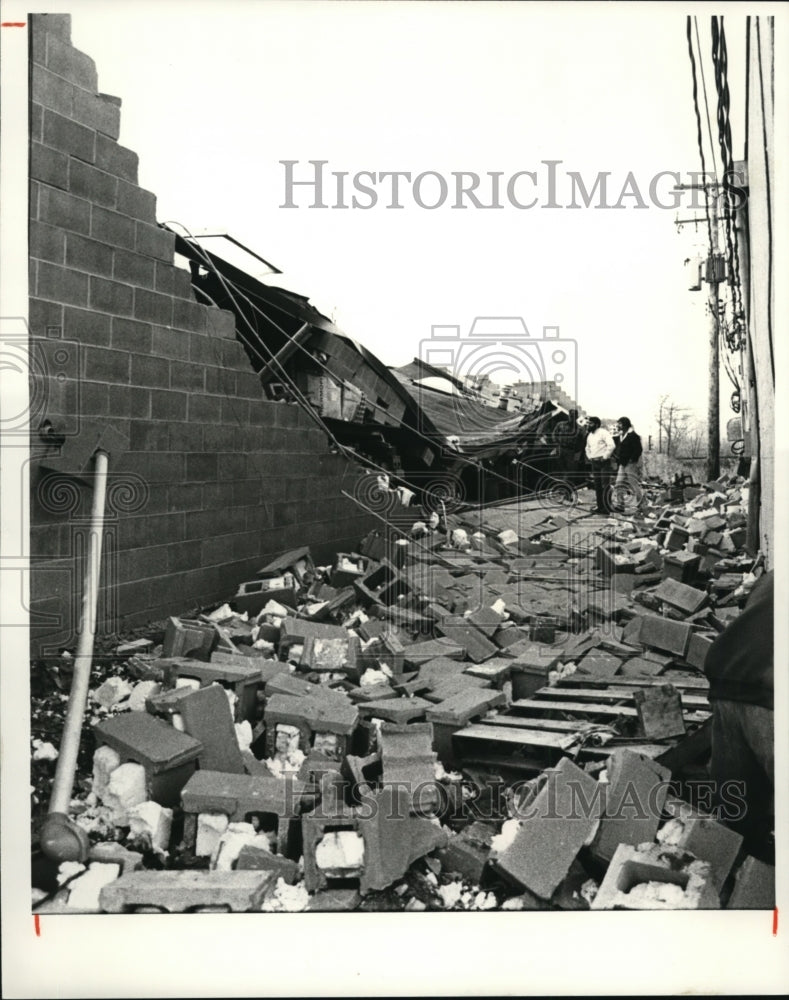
(739, 666)
(627, 488)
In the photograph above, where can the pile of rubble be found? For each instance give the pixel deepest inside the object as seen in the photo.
(496, 709)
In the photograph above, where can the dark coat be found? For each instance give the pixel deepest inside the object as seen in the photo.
(739, 663)
(628, 448)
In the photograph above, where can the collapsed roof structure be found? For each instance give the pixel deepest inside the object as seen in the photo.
(417, 422)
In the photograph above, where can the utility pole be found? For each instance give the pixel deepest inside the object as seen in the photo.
(714, 274)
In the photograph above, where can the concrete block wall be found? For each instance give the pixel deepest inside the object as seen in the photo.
(216, 480)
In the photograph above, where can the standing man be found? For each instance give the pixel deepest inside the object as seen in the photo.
(739, 665)
(599, 449)
(628, 454)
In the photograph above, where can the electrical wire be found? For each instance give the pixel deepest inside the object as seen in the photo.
(699, 140)
(768, 194)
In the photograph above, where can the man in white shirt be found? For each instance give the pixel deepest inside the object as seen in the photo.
(599, 449)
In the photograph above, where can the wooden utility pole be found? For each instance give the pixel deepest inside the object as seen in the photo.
(714, 275)
(713, 400)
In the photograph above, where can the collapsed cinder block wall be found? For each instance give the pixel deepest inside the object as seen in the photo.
(215, 480)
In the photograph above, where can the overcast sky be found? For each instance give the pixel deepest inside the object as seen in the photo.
(215, 95)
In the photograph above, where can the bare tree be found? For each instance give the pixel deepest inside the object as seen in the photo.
(672, 422)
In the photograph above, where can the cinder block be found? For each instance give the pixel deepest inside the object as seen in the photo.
(179, 891)
(111, 296)
(111, 227)
(467, 852)
(68, 136)
(97, 111)
(633, 802)
(339, 655)
(207, 716)
(312, 716)
(168, 756)
(662, 633)
(394, 709)
(697, 650)
(253, 858)
(244, 677)
(705, 838)
(295, 631)
(184, 638)
(496, 671)
(118, 160)
(393, 839)
(478, 648)
(73, 65)
(49, 166)
(239, 796)
(672, 879)
(600, 663)
(675, 538)
(680, 596)
(153, 307)
(408, 762)
(420, 653)
(754, 887)
(62, 284)
(681, 566)
(659, 711)
(555, 828)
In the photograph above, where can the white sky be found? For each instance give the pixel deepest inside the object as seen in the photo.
(215, 95)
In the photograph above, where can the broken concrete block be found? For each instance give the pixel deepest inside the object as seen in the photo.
(754, 887)
(467, 852)
(408, 761)
(140, 694)
(179, 891)
(554, 827)
(188, 638)
(229, 845)
(126, 788)
(252, 858)
(84, 891)
(105, 761)
(210, 827)
(393, 839)
(705, 838)
(168, 756)
(652, 877)
(113, 691)
(206, 715)
(152, 824)
(659, 711)
(633, 799)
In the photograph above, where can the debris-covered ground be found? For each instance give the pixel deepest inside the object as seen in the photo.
(502, 709)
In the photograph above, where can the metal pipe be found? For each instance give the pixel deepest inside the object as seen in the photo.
(60, 838)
